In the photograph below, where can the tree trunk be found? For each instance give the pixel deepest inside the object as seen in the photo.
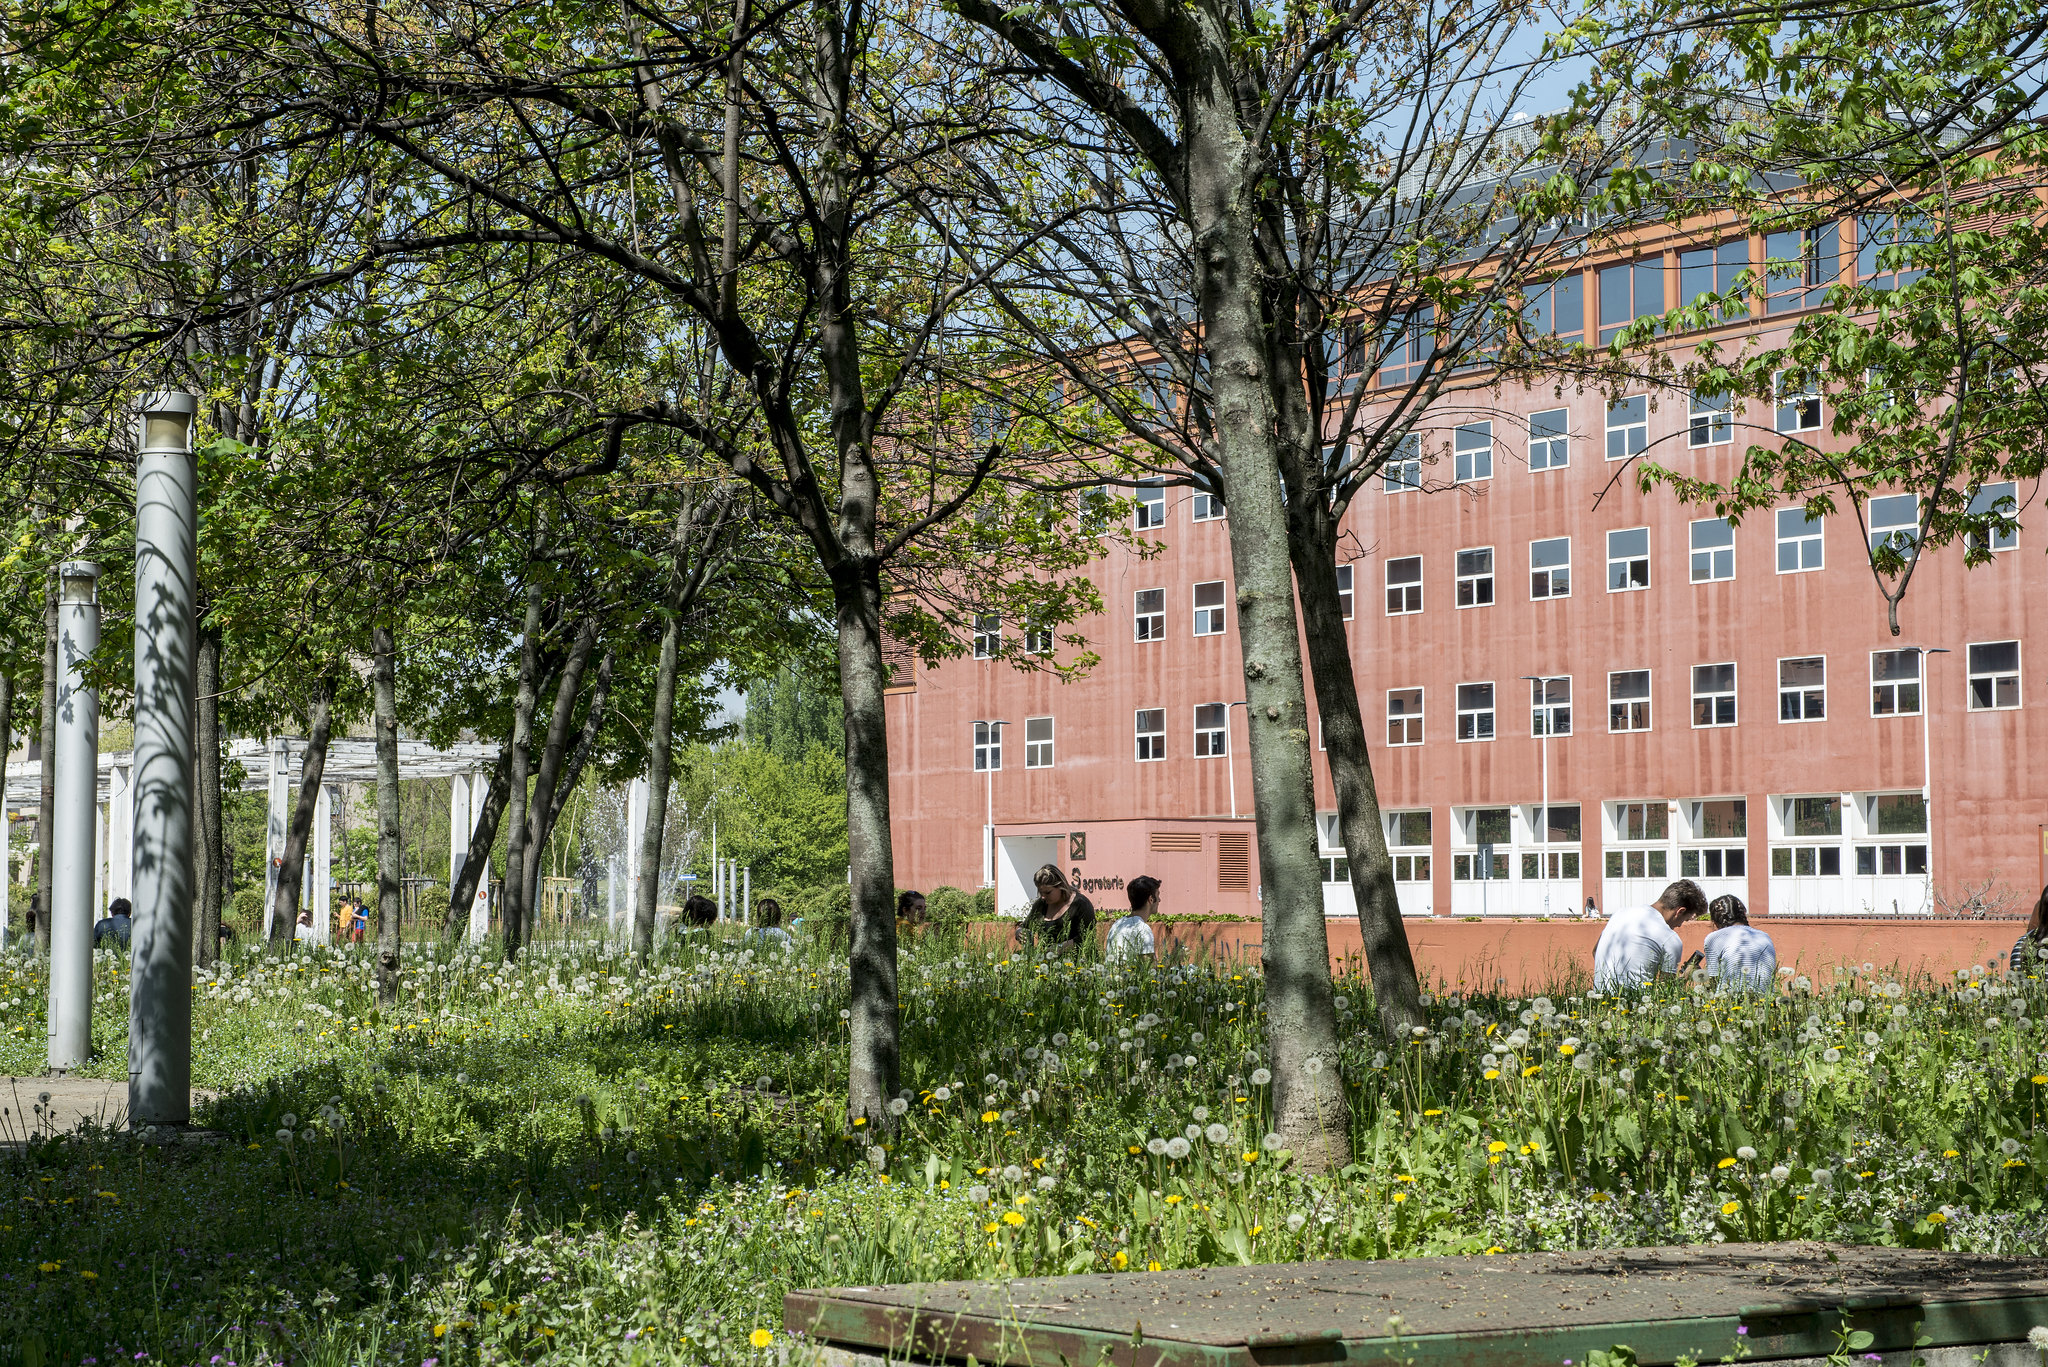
(541, 806)
(291, 869)
(46, 831)
(384, 691)
(660, 752)
(876, 1047)
(209, 844)
(586, 744)
(1387, 954)
(509, 917)
(476, 863)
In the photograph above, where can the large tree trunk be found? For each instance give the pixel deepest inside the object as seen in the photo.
(390, 868)
(476, 863)
(210, 846)
(1387, 954)
(586, 744)
(541, 806)
(660, 752)
(876, 1046)
(291, 869)
(46, 828)
(510, 917)
(1311, 1112)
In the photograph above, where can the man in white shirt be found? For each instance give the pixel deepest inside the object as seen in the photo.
(1640, 943)
(1738, 956)
(1130, 939)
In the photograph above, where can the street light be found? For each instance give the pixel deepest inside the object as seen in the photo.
(1542, 682)
(994, 762)
(1927, 758)
(1230, 751)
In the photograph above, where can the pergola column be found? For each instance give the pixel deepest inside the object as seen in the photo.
(321, 896)
(636, 832)
(274, 832)
(480, 905)
(120, 832)
(74, 816)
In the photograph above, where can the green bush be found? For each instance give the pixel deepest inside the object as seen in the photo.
(244, 911)
(949, 908)
(984, 904)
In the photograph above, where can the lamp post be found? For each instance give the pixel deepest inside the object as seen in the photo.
(1230, 751)
(1542, 682)
(160, 953)
(994, 760)
(74, 814)
(1927, 758)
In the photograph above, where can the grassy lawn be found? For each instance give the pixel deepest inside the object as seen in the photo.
(564, 1160)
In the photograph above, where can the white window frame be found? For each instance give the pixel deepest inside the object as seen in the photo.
(1550, 444)
(1806, 537)
(1905, 536)
(1212, 741)
(1038, 641)
(1613, 560)
(1411, 862)
(1631, 436)
(1550, 572)
(1211, 619)
(1038, 742)
(1401, 473)
(988, 747)
(1711, 421)
(1491, 711)
(1150, 500)
(1546, 706)
(1984, 500)
(1733, 693)
(1410, 592)
(1207, 507)
(1409, 724)
(1631, 702)
(1797, 411)
(1994, 676)
(1715, 562)
(1476, 578)
(1472, 452)
(1148, 738)
(988, 635)
(1803, 693)
(1345, 599)
(1148, 626)
(1878, 686)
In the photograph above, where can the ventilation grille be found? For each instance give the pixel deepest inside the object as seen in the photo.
(1176, 842)
(1233, 862)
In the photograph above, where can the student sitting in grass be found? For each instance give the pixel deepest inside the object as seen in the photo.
(1060, 917)
(1130, 939)
(768, 929)
(1641, 943)
(1738, 956)
(911, 913)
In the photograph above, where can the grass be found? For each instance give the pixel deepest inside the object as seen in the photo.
(565, 1160)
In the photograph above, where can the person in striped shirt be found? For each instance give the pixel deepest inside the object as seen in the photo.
(2031, 950)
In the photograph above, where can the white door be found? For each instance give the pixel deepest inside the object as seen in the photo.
(1017, 858)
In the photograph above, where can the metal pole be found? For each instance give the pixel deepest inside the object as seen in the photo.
(73, 816)
(166, 563)
(747, 893)
(716, 895)
(323, 868)
(1542, 709)
(1927, 760)
(1230, 751)
(6, 849)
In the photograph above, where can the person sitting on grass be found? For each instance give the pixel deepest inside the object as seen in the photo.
(768, 925)
(2030, 951)
(1130, 939)
(116, 926)
(699, 911)
(911, 915)
(1060, 917)
(1737, 955)
(1639, 944)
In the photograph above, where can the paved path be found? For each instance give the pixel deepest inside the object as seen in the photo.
(71, 1101)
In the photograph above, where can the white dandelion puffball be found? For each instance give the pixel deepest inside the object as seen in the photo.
(1746, 1154)
(1201, 1114)
(2008, 1147)
(1195, 1038)
(991, 1081)
(897, 1105)
(977, 1194)
(287, 1120)
(1193, 1132)
(877, 1157)
(1046, 1184)
(1832, 1056)
(1216, 1134)
(1030, 1097)
(1013, 1174)
(284, 1136)
(1780, 1173)
(1260, 1077)
(1059, 1041)
(1313, 1064)
(942, 1093)
(1627, 1075)
(1155, 1146)
(1872, 1039)
(1489, 1060)
(1823, 1177)
(1272, 1143)
(1177, 1148)
(1342, 1003)
(1295, 1222)
(845, 1014)
(2038, 1337)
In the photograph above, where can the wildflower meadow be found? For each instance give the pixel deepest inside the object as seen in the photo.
(575, 1159)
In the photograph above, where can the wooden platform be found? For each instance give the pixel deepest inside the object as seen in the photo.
(1784, 1301)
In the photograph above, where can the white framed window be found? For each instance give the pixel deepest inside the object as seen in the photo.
(1038, 742)
(1151, 504)
(1798, 402)
(1212, 730)
(1713, 550)
(1724, 821)
(1628, 427)
(1628, 559)
(1404, 585)
(1402, 474)
(1475, 577)
(988, 635)
(1895, 522)
(1803, 688)
(1550, 568)
(1092, 508)
(1994, 676)
(1472, 446)
(1995, 500)
(988, 746)
(1888, 816)
(1550, 706)
(1639, 824)
(1408, 840)
(1628, 700)
(1404, 716)
(1549, 442)
(1148, 615)
(1475, 711)
(1483, 829)
(1344, 598)
(1799, 542)
(1150, 726)
(1038, 640)
(1713, 695)
(1712, 421)
(1894, 683)
(1807, 820)
(1207, 508)
(1209, 609)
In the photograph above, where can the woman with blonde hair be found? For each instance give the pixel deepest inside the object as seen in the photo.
(1061, 916)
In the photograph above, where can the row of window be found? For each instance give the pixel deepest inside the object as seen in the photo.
(1895, 691)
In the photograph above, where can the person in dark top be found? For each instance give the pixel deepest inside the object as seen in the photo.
(1061, 916)
(699, 910)
(2030, 951)
(116, 926)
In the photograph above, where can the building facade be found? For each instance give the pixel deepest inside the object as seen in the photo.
(1579, 691)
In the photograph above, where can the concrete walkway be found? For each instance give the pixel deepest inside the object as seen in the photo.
(71, 1101)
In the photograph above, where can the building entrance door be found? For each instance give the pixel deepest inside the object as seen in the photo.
(1017, 858)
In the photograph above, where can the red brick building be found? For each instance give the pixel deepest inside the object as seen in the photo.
(1723, 702)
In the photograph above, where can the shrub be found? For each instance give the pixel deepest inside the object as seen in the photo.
(244, 911)
(984, 904)
(949, 907)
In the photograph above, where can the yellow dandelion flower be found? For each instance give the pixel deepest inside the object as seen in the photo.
(1154, 1267)
(1174, 1200)
(1532, 1070)
(1432, 1112)
(760, 1338)
(1497, 1146)
(1013, 1218)
(990, 1117)
(1120, 1261)
(1731, 1207)
(1935, 1217)
(1492, 1073)
(1725, 1163)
